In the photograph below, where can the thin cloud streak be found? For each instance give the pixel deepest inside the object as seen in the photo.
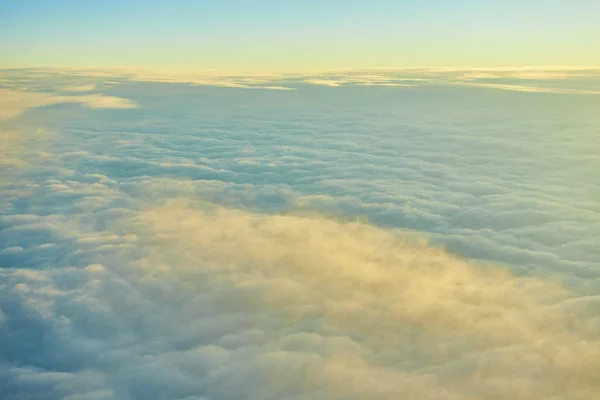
(15, 102)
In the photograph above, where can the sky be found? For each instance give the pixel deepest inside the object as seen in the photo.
(268, 35)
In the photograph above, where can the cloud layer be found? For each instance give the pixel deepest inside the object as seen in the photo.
(567, 80)
(14, 102)
(346, 242)
(201, 300)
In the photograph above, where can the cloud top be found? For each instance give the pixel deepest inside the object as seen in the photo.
(15, 102)
(375, 291)
(567, 80)
(188, 250)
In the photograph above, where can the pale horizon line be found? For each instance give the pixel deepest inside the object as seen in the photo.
(224, 72)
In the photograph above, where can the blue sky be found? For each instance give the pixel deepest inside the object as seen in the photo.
(309, 35)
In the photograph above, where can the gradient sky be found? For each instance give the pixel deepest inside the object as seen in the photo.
(269, 35)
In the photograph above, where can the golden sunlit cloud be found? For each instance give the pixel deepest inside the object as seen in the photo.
(429, 323)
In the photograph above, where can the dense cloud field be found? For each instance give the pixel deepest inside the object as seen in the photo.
(361, 235)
